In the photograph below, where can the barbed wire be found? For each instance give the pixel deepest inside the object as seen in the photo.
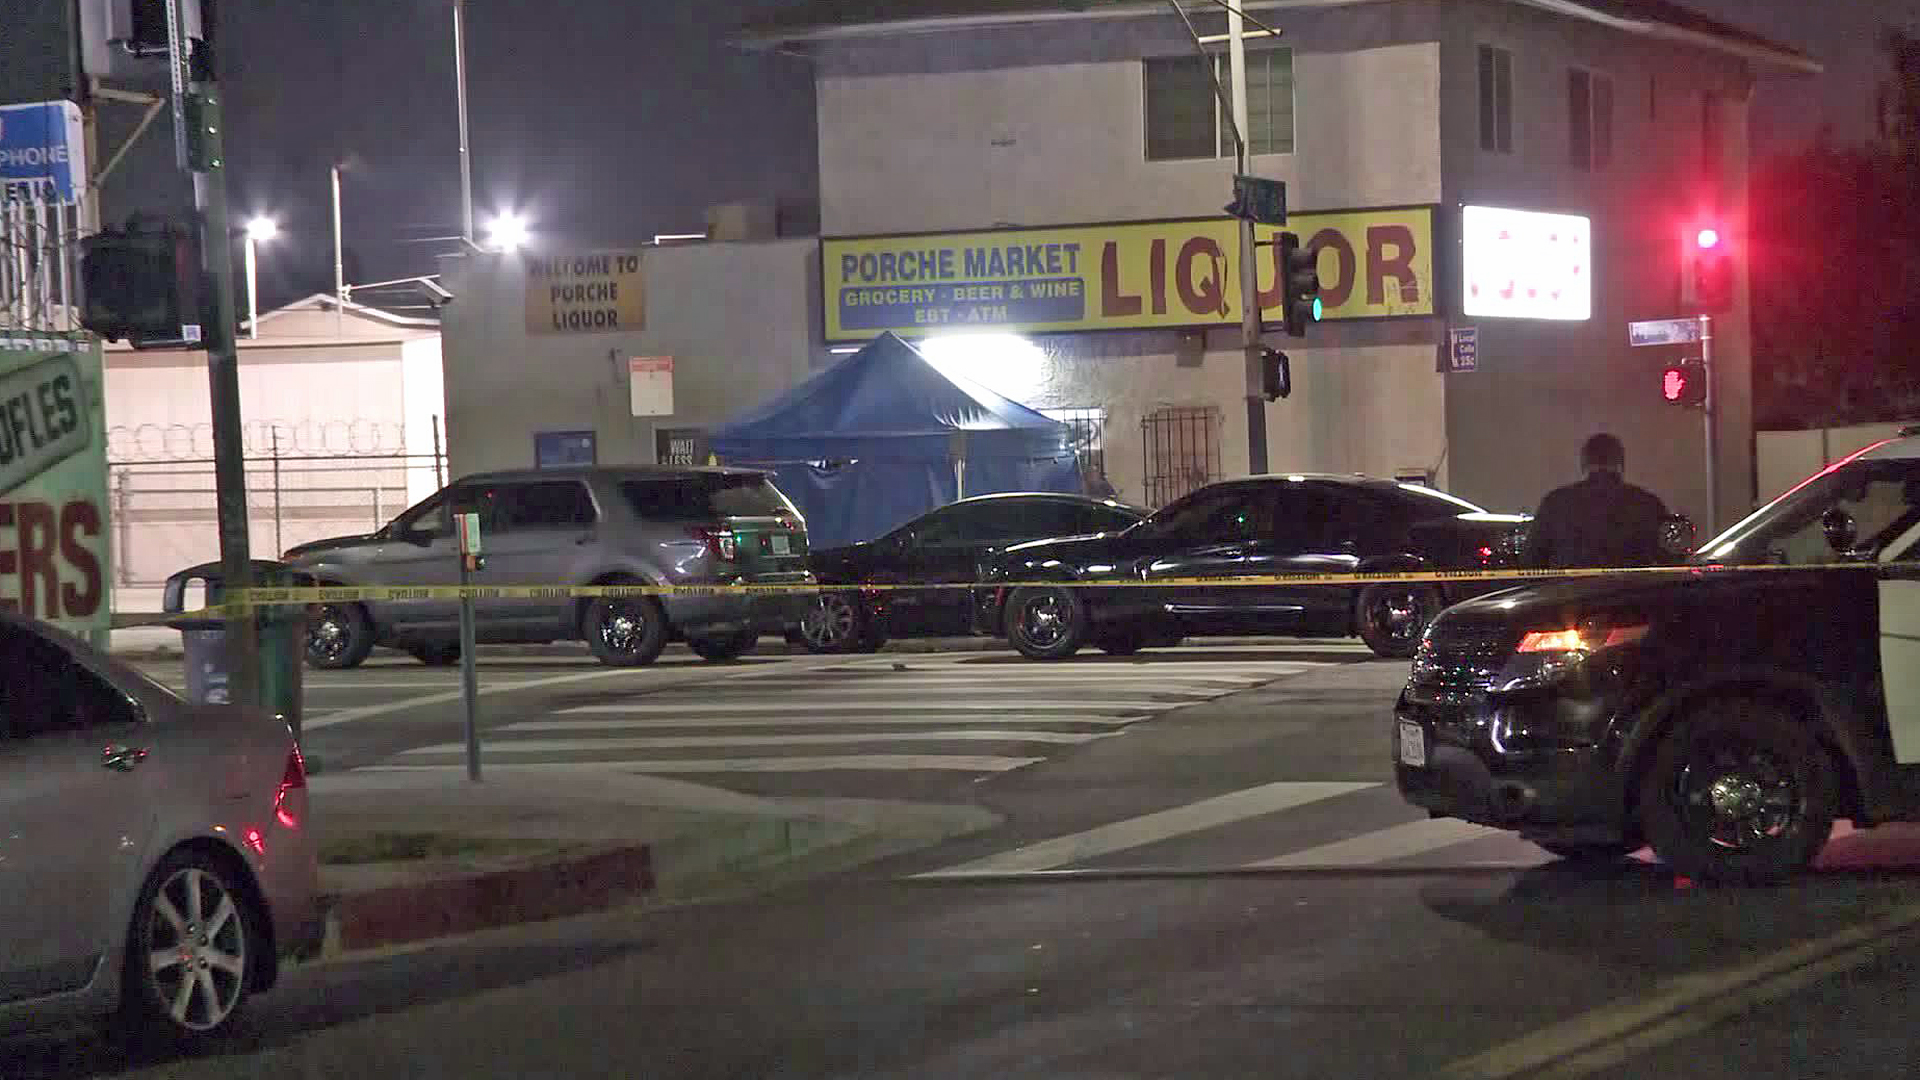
(187, 442)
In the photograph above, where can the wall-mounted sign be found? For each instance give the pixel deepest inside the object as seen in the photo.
(652, 385)
(1517, 264)
(1166, 274)
(44, 141)
(680, 446)
(595, 293)
(54, 549)
(1463, 349)
(559, 449)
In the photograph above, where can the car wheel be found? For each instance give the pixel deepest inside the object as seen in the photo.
(1597, 853)
(1391, 618)
(338, 636)
(1740, 791)
(437, 655)
(1046, 622)
(626, 632)
(188, 953)
(832, 623)
(727, 647)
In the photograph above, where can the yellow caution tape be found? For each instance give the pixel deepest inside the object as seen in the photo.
(245, 600)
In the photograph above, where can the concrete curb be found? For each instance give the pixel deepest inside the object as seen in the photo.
(673, 870)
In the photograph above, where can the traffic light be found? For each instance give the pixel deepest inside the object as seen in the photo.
(1684, 383)
(1276, 374)
(142, 284)
(1300, 284)
(1709, 283)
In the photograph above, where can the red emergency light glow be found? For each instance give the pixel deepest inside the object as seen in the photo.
(1673, 385)
(1707, 238)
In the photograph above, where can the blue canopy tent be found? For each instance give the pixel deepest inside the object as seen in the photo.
(885, 435)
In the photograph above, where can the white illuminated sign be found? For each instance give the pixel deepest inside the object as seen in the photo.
(1522, 265)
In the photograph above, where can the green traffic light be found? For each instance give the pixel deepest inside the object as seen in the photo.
(1316, 309)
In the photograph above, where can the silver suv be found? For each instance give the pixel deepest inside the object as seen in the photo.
(591, 525)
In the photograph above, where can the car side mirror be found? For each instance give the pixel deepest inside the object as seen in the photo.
(1840, 529)
(418, 537)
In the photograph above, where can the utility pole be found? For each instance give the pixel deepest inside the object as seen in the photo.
(1708, 419)
(1249, 274)
(460, 87)
(339, 264)
(202, 154)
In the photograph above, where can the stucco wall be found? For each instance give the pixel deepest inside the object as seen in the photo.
(739, 320)
(1044, 124)
(1515, 425)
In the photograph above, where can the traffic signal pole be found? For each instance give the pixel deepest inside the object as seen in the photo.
(201, 153)
(1249, 273)
(1709, 411)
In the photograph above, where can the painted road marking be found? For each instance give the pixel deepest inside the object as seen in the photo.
(1151, 828)
(1682, 1006)
(569, 746)
(364, 712)
(852, 763)
(879, 707)
(1385, 845)
(783, 718)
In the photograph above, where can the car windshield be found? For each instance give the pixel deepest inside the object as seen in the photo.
(1878, 498)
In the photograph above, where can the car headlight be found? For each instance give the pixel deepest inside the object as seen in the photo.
(1547, 655)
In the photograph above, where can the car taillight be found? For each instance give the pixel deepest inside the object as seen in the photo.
(292, 780)
(1581, 639)
(721, 543)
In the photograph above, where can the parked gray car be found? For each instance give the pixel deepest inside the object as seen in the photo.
(587, 525)
(156, 857)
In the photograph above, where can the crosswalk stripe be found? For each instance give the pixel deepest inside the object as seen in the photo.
(1121, 693)
(1087, 676)
(849, 763)
(1385, 845)
(1151, 828)
(1095, 708)
(785, 718)
(567, 746)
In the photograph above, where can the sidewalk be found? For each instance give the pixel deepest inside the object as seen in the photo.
(409, 856)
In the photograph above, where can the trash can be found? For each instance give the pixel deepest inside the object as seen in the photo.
(282, 632)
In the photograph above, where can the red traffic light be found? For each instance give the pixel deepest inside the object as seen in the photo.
(1707, 238)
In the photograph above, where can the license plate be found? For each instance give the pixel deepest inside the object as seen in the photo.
(782, 545)
(1413, 745)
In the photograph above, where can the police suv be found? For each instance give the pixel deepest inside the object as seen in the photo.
(1725, 714)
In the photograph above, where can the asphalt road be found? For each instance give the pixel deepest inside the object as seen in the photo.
(1226, 887)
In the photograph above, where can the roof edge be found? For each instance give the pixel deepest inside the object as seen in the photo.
(771, 40)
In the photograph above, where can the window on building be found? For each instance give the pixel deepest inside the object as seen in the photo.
(1496, 100)
(1084, 430)
(1180, 451)
(1185, 119)
(1589, 119)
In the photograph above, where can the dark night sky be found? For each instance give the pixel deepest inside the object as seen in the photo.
(608, 121)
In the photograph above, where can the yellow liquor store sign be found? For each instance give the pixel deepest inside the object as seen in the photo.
(597, 292)
(1376, 263)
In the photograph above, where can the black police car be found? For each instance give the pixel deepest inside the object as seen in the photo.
(1726, 716)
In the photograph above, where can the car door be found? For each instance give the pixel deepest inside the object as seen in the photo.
(420, 549)
(533, 533)
(1324, 528)
(941, 546)
(1899, 598)
(75, 812)
(1228, 531)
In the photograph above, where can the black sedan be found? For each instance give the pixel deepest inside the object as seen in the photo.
(945, 545)
(1726, 714)
(1259, 525)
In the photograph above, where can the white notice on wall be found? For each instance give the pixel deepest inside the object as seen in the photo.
(652, 385)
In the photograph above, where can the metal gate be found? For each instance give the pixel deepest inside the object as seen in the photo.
(1181, 449)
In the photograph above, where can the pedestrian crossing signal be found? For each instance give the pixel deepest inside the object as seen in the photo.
(1684, 384)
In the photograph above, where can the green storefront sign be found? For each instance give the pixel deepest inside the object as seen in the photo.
(55, 551)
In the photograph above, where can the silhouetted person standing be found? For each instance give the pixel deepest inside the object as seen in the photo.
(1602, 521)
